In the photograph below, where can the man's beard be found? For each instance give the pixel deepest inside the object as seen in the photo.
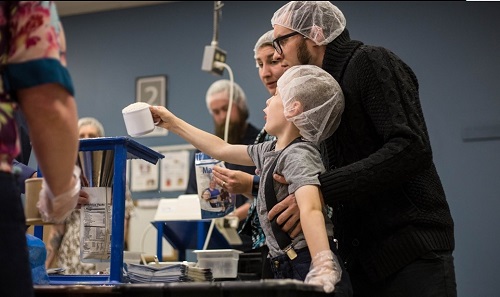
(236, 131)
(303, 53)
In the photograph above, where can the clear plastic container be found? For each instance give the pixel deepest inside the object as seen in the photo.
(223, 263)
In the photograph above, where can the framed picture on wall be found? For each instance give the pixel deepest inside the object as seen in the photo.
(174, 171)
(152, 90)
(143, 176)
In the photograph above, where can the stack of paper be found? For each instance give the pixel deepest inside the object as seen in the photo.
(166, 274)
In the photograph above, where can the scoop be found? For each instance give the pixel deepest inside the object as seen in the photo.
(138, 119)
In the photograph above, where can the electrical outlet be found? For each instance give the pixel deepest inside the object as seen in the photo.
(212, 54)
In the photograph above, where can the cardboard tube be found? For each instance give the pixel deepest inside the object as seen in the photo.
(32, 193)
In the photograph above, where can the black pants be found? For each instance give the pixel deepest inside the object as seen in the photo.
(431, 275)
(15, 271)
(267, 273)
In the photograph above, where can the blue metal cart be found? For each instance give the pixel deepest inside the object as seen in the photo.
(124, 148)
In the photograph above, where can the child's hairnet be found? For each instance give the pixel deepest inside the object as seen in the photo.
(321, 101)
(320, 21)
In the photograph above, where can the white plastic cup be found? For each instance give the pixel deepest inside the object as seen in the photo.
(138, 119)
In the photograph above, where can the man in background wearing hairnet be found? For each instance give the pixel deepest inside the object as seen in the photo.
(304, 111)
(240, 132)
(391, 216)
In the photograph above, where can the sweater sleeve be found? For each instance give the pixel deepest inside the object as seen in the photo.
(391, 142)
(23, 173)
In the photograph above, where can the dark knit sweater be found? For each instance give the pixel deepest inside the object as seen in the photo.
(389, 203)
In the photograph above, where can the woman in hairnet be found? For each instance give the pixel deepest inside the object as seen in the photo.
(305, 110)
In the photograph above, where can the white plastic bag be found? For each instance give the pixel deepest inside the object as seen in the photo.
(215, 201)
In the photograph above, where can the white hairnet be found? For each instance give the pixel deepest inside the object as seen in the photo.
(320, 21)
(321, 101)
(265, 40)
(224, 85)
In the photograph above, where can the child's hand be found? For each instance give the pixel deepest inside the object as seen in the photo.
(325, 271)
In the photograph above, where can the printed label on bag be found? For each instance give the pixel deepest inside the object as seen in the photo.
(215, 201)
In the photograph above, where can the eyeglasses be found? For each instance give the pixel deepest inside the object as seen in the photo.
(278, 42)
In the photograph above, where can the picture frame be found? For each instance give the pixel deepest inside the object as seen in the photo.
(152, 90)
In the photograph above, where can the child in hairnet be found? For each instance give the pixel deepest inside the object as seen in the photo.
(305, 110)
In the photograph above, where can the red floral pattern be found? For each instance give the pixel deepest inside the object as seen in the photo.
(29, 31)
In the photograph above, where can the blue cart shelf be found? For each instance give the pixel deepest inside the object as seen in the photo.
(124, 148)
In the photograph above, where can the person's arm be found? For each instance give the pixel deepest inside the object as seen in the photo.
(51, 114)
(52, 118)
(387, 103)
(241, 212)
(204, 141)
(25, 172)
(236, 181)
(311, 217)
(325, 268)
(37, 78)
(56, 234)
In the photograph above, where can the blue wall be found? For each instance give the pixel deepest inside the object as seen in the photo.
(452, 46)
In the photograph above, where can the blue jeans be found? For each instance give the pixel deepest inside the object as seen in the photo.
(298, 268)
(432, 275)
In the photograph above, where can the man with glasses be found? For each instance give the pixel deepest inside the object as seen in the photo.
(277, 42)
(391, 216)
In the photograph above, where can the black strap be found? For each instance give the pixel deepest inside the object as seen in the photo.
(283, 239)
